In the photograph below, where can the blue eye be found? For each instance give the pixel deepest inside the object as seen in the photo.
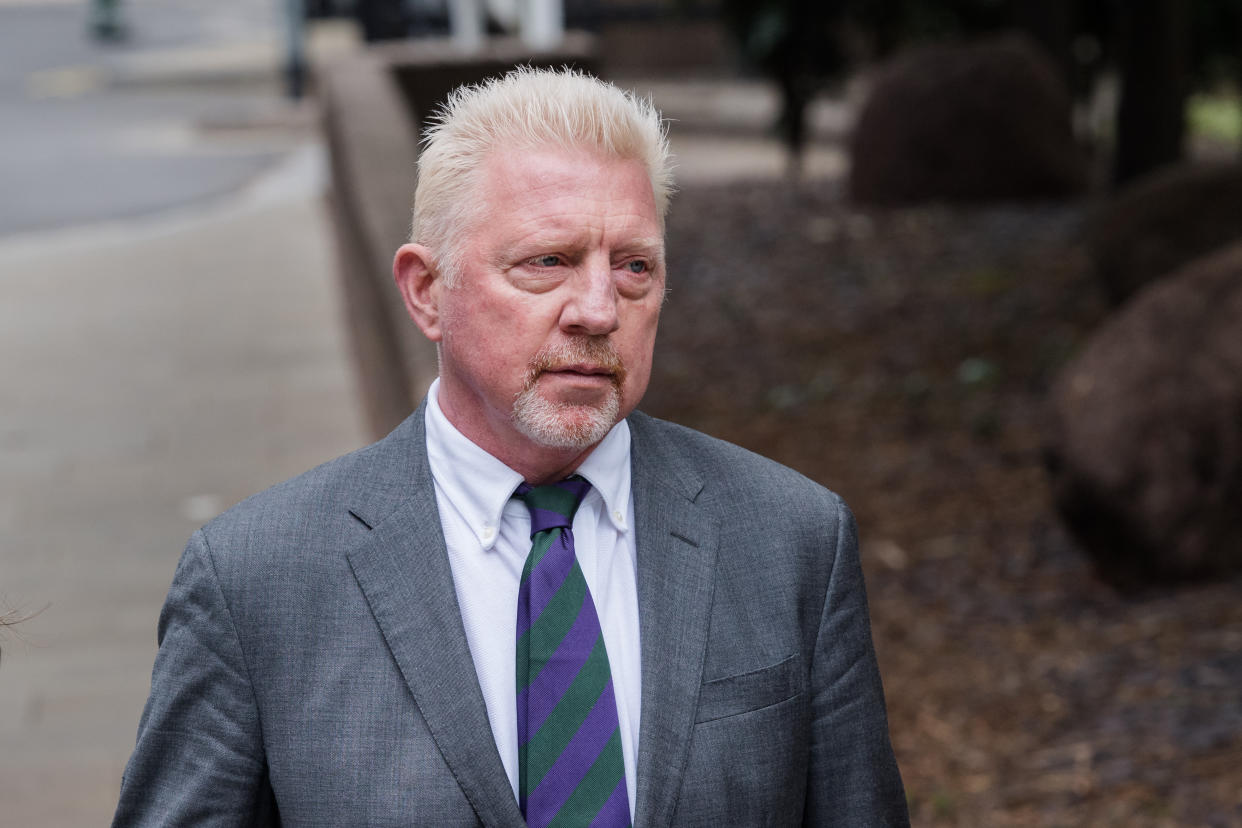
(547, 261)
(636, 266)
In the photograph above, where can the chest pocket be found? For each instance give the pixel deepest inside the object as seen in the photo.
(746, 692)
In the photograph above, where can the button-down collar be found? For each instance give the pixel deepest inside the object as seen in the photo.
(480, 486)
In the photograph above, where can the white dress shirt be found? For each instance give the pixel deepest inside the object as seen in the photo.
(488, 538)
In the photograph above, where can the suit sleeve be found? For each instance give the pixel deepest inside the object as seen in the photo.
(853, 777)
(199, 757)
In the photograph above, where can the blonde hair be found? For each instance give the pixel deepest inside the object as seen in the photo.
(525, 109)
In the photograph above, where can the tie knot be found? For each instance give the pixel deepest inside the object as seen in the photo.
(553, 506)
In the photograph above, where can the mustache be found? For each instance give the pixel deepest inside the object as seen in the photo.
(595, 351)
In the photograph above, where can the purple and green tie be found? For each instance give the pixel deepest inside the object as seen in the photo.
(569, 743)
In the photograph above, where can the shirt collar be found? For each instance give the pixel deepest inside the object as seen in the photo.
(478, 485)
(607, 469)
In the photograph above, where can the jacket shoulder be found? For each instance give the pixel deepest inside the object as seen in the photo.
(727, 472)
(354, 491)
(718, 462)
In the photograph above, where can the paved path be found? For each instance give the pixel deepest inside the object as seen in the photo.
(151, 374)
(188, 107)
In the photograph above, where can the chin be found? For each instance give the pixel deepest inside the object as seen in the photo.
(564, 425)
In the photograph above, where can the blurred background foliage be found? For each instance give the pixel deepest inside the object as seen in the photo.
(1160, 51)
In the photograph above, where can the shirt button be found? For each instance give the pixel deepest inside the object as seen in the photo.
(488, 532)
(618, 517)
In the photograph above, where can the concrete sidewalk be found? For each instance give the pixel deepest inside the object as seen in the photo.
(151, 373)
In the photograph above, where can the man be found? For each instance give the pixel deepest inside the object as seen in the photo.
(529, 602)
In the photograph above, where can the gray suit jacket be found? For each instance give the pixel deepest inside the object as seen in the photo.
(313, 669)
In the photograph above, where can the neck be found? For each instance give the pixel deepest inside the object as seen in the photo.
(547, 465)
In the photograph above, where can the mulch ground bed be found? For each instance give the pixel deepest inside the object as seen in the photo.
(902, 358)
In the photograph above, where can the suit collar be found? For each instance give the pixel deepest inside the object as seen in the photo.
(388, 469)
(403, 570)
(676, 548)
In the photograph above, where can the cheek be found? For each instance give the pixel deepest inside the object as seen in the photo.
(485, 328)
(638, 350)
(646, 325)
(484, 350)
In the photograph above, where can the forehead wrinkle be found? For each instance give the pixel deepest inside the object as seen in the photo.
(574, 229)
(541, 212)
(519, 186)
(572, 236)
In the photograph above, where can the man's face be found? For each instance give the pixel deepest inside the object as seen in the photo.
(546, 337)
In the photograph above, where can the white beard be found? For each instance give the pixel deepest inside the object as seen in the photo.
(563, 425)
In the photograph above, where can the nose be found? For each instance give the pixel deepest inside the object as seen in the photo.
(591, 308)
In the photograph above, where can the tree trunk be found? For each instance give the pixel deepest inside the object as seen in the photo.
(1155, 57)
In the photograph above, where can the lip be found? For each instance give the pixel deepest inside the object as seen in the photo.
(581, 370)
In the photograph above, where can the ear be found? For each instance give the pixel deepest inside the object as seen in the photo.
(420, 285)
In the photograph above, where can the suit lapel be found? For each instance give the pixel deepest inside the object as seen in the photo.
(403, 570)
(676, 549)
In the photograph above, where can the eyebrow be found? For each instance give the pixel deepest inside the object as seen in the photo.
(652, 247)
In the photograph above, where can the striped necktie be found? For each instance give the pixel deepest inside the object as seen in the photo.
(569, 743)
